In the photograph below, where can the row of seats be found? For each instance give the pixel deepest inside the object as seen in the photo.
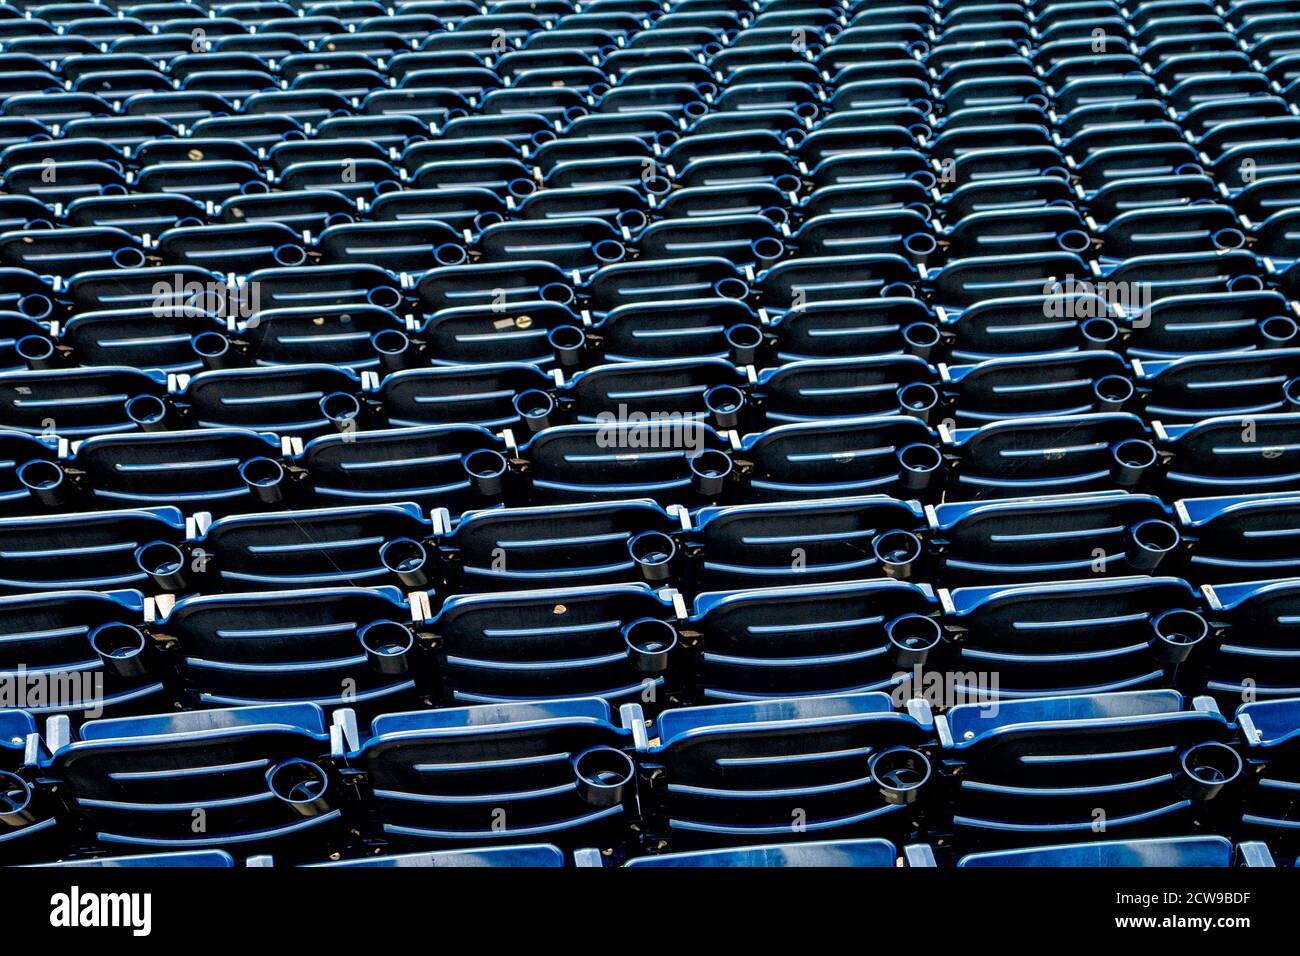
(282, 779)
(378, 648)
(228, 470)
(317, 399)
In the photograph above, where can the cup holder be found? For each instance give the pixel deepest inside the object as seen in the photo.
(535, 408)
(487, 471)
(387, 646)
(919, 465)
(743, 343)
(265, 478)
(164, 562)
(911, 638)
(569, 343)
(15, 800)
(45, 481)
(1098, 333)
(709, 471)
(393, 348)
(301, 784)
(899, 774)
(341, 410)
(37, 352)
(407, 559)
(653, 553)
(1176, 634)
(121, 649)
(1132, 457)
(603, 776)
(724, 404)
(147, 412)
(1206, 769)
(1149, 542)
(919, 399)
(212, 349)
(650, 643)
(1112, 392)
(920, 338)
(897, 552)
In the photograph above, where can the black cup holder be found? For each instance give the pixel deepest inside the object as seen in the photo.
(487, 471)
(899, 774)
(1176, 633)
(164, 562)
(1132, 457)
(1149, 542)
(1098, 333)
(569, 343)
(603, 776)
(341, 410)
(387, 646)
(265, 478)
(147, 412)
(122, 649)
(45, 481)
(15, 800)
(897, 552)
(407, 559)
(393, 348)
(212, 349)
(724, 404)
(1207, 768)
(911, 639)
(653, 553)
(919, 399)
(921, 338)
(743, 342)
(709, 471)
(37, 352)
(535, 408)
(1112, 392)
(301, 784)
(919, 465)
(650, 643)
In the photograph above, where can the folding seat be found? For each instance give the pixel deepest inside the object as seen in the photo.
(903, 232)
(359, 546)
(139, 214)
(809, 639)
(618, 642)
(709, 390)
(1075, 453)
(667, 459)
(621, 206)
(815, 389)
(883, 455)
(203, 181)
(1202, 386)
(504, 177)
(493, 284)
(1237, 453)
(325, 286)
(1066, 383)
(15, 328)
(1182, 325)
(866, 852)
(329, 645)
(187, 859)
(735, 774)
(73, 180)
(794, 283)
(309, 107)
(1188, 851)
(79, 653)
(52, 48)
(252, 772)
(257, 132)
(499, 774)
(218, 469)
(577, 246)
(356, 179)
(94, 550)
(284, 399)
(1240, 537)
(996, 232)
(1140, 194)
(1047, 769)
(65, 252)
(486, 395)
(966, 282)
(484, 334)
(1268, 733)
(629, 283)
(78, 402)
(30, 827)
(586, 544)
(1076, 637)
(306, 211)
(27, 294)
(533, 856)
(33, 81)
